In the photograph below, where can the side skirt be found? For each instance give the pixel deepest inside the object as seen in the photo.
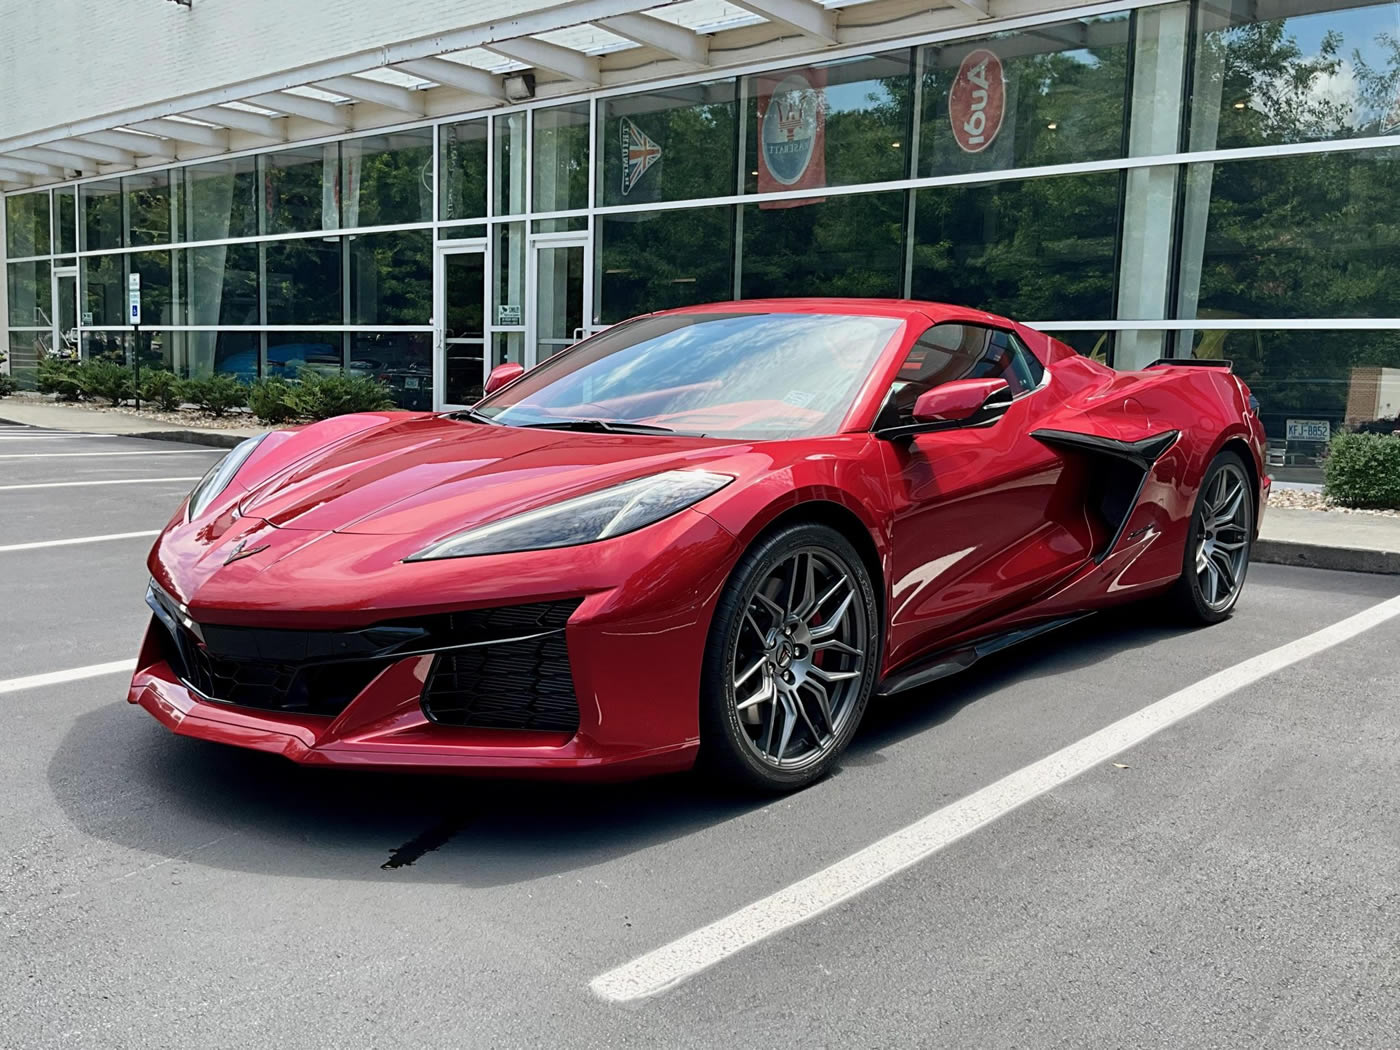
(950, 661)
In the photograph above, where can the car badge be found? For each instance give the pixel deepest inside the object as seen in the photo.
(239, 552)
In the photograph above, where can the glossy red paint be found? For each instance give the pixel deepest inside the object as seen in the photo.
(971, 531)
(955, 401)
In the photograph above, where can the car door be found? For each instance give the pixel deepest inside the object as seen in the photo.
(980, 522)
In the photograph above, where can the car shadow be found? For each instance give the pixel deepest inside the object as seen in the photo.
(228, 808)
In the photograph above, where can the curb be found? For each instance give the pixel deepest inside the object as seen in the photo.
(191, 437)
(1317, 556)
(212, 438)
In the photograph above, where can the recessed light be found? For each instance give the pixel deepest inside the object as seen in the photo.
(1239, 105)
(1052, 125)
(894, 145)
(754, 172)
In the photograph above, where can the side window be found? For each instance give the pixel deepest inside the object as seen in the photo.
(959, 351)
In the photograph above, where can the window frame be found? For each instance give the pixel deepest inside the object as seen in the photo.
(881, 422)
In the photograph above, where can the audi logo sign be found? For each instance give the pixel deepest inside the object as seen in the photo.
(977, 101)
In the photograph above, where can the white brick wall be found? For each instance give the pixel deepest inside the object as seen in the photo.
(66, 60)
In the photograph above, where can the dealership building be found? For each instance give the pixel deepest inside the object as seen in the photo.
(418, 191)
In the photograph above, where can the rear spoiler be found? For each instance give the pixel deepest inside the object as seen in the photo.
(1193, 362)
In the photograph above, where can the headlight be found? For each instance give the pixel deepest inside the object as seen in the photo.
(220, 474)
(597, 516)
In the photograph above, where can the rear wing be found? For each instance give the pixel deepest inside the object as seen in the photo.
(1193, 362)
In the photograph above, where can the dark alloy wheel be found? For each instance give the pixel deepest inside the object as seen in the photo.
(1217, 546)
(793, 654)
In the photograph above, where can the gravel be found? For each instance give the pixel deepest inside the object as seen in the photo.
(236, 419)
(1299, 499)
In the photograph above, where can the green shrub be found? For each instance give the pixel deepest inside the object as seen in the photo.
(273, 400)
(8, 384)
(161, 388)
(59, 377)
(1363, 470)
(323, 396)
(104, 378)
(215, 394)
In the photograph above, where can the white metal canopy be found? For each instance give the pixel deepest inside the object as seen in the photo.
(570, 49)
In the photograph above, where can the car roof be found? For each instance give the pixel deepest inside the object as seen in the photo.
(904, 309)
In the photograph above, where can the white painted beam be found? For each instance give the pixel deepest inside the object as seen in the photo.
(54, 157)
(93, 151)
(10, 181)
(316, 109)
(666, 37)
(179, 131)
(976, 8)
(574, 65)
(141, 145)
(381, 94)
(10, 162)
(805, 16)
(456, 75)
(256, 123)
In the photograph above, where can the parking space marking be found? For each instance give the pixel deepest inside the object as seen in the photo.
(667, 966)
(143, 452)
(102, 481)
(76, 540)
(48, 435)
(73, 674)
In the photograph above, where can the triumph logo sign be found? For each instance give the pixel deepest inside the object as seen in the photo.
(977, 101)
(792, 134)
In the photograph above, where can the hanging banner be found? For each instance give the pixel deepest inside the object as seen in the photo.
(792, 134)
(977, 101)
(639, 153)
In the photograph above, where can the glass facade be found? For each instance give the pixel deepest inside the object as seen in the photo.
(1186, 178)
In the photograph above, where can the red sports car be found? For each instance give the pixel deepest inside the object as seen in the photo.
(707, 535)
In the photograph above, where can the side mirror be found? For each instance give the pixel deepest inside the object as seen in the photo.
(503, 374)
(952, 406)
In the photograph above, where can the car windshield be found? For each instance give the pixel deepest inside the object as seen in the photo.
(731, 375)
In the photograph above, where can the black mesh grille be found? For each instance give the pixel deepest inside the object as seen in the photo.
(501, 684)
(508, 685)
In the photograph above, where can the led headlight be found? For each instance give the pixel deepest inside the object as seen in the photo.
(220, 474)
(596, 516)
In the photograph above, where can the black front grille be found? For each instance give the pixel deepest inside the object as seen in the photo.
(504, 680)
(510, 684)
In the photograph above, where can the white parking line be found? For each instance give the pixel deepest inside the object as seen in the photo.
(75, 540)
(104, 481)
(74, 674)
(49, 435)
(672, 963)
(156, 452)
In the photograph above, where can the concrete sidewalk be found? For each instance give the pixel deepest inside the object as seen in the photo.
(56, 416)
(1329, 540)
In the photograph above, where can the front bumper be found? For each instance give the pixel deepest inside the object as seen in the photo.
(634, 650)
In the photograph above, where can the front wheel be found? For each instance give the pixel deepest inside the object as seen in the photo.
(791, 661)
(1217, 545)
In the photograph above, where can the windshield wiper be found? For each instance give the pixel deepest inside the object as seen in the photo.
(474, 416)
(601, 426)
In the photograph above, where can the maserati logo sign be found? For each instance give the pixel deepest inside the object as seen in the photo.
(977, 101)
(790, 130)
(639, 153)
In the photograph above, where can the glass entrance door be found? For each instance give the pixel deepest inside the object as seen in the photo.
(65, 313)
(460, 353)
(561, 279)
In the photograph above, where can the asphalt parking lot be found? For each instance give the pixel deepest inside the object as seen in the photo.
(1229, 881)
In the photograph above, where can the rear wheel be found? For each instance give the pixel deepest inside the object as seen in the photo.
(1217, 546)
(793, 654)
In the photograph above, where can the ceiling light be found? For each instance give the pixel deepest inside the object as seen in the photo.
(1052, 125)
(1239, 105)
(894, 145)
(519, 87)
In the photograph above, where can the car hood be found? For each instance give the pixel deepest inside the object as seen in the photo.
(437, 475)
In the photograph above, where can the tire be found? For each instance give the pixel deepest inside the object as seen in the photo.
(788, 675)
(1213, 569)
